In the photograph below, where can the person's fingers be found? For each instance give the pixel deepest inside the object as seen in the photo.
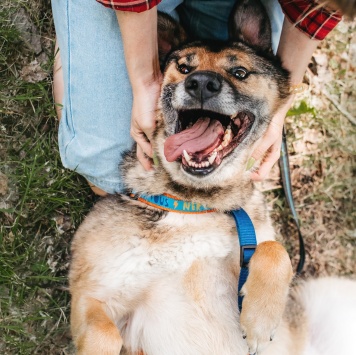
(269, 160)
(143, 121)
(142, 142)
(266, 145)
(143, 159)
(145, 124)
(273, 134)
(269, 147)
(142, 129)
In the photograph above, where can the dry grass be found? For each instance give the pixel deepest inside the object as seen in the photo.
(322, 149)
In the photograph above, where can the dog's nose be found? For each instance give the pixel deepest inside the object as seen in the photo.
(203, 85)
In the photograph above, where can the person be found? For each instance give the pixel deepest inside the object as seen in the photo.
(107, 77)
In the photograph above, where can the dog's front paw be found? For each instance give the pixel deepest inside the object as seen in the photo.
(265, 295)
(259, 320)
(100, 339)
(93, 331)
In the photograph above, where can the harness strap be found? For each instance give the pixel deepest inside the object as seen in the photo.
(248, 244)
(287, 186)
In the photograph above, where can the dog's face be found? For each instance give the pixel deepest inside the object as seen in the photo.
(217, 100)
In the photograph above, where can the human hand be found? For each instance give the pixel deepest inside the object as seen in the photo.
(139, 35)
(143, 119)
(295, 50)
(269, 149)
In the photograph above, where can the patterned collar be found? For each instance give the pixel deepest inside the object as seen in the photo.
(171, 203)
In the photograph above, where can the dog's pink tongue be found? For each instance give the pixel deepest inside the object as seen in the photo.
(205, 133)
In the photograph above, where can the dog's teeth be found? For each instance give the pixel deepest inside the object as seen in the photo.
(186, 156)
(226, 140)
(212, 157)
(227, 137)
(203, 164)
(228, 133)
(219, 147)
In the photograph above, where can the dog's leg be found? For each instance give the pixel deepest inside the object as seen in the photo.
(265, 294)
(93, 331)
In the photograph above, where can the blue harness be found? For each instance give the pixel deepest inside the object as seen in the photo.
(244, 226)
(248, 243)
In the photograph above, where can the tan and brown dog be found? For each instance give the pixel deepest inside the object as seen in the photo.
(145, 280)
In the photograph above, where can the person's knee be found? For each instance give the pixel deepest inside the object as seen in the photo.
(98, 191)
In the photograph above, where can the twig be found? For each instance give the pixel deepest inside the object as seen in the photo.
(347, 114)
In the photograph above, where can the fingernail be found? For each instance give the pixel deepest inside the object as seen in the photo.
(250, 163)
(155, 159)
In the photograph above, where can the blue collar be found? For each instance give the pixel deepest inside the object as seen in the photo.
(244, 226)
(171, 203)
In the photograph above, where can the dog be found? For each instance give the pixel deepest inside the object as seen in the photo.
(145, 280)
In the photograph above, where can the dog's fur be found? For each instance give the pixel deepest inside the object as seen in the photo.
(163, 283)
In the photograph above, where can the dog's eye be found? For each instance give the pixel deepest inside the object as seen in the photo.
(239, 72)
(183, 68)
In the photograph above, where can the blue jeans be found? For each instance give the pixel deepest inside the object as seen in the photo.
(94, 129)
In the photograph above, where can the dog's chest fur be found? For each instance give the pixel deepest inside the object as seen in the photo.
(175, 278)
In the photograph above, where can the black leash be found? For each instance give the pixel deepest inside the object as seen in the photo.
(287, 186)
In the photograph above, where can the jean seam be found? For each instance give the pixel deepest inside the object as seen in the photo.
(69, 71)
(67, 97)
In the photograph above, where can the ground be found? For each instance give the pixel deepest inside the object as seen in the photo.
(41, 203)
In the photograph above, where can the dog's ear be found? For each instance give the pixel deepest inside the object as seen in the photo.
(170, 35)
(249, 23)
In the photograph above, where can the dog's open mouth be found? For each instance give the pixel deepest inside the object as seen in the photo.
(203, 138)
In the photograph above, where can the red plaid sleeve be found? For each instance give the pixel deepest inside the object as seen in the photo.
(311, 18)
(130, 5)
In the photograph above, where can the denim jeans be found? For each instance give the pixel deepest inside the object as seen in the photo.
(94, 129)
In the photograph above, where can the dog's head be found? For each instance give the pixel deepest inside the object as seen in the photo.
(217, 100)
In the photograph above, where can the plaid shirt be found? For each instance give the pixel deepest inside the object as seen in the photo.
(130, 5)
(309, 17)
(312, 19)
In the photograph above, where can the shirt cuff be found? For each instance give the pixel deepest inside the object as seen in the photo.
(311, 18)
(130, 5)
